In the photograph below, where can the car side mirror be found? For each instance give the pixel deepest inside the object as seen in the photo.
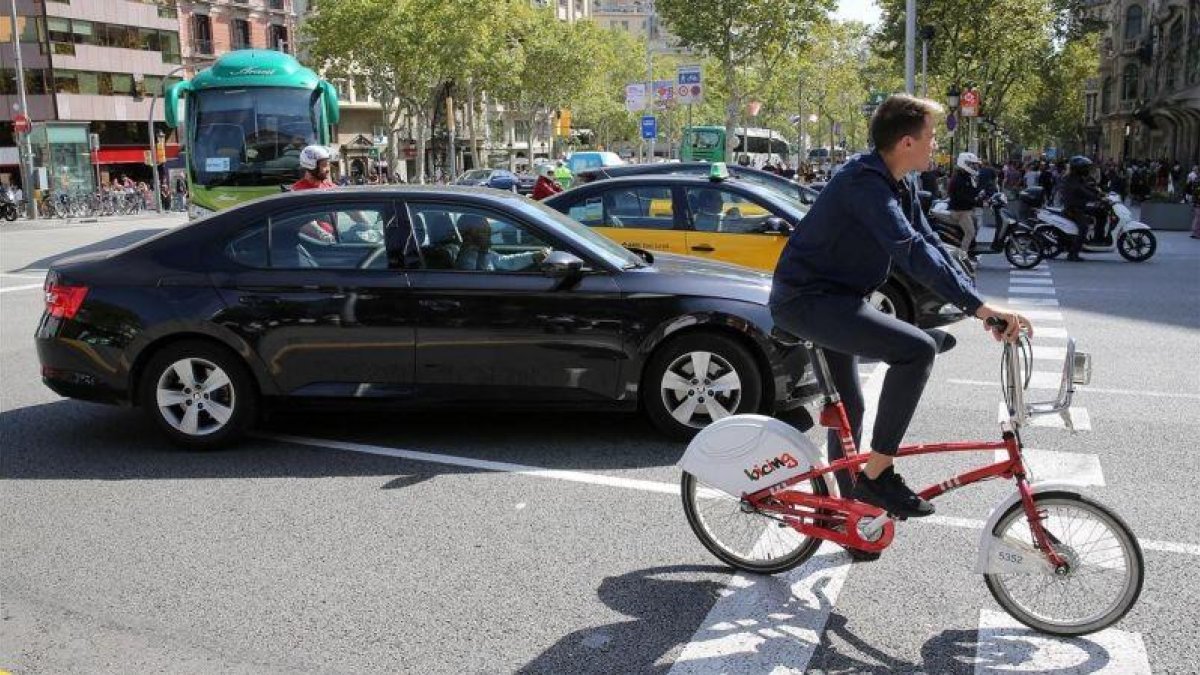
(561, 265)
(777, 225)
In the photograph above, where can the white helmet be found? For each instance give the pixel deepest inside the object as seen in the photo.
(312, 154)
(967, 161)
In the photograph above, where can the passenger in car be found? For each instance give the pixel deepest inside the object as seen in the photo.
(476, 253)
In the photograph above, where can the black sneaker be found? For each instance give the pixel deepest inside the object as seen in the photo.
(889, 493)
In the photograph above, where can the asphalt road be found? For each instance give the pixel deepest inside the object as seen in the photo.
(325, 545)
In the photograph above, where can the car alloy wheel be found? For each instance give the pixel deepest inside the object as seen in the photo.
(195, 397)
(699, 388)
(883, 303)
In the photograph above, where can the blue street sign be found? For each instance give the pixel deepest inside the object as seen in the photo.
(951, 121)
(649, 127)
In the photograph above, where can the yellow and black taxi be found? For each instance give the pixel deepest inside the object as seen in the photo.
(724, 218)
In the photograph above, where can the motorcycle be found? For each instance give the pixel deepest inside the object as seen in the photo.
(1115, 228)
(1015, 239)
(8, 207)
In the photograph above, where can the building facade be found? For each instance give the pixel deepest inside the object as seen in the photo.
(1146, 102)
(90, 68)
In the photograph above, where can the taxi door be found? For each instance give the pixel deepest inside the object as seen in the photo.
(727, 226)
(644, 217)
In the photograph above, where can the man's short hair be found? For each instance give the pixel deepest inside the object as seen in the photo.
(899, 116)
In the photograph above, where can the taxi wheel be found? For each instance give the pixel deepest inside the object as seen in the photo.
(696, 379)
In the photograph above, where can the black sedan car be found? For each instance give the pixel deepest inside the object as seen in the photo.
(730, 220)
(410, 295)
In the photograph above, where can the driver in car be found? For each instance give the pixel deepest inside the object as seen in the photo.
(477, 254)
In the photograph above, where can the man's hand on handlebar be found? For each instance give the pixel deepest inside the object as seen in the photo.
(1003, 324)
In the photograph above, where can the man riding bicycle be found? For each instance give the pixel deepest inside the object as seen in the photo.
(865, 219)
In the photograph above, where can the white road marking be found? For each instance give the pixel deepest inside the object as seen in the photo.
(763, 622)
(656, 487)
(30, 287)
(1069, 467)
(1097, 390)
(1033, 302)
(21, 276)
(1032, 290)
(1041, 315)
(1044, 332)
(1032, 281)
(1006, 646)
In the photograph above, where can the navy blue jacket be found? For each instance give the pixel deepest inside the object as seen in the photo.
(862, 222)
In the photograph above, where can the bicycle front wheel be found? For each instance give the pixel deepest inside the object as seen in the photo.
(1105, 564)
(744, 538)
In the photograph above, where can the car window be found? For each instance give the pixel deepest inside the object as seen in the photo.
(341, 237)
(719, 210)
(249, 246)
(597, 244)
(646, 208)
(469, 239)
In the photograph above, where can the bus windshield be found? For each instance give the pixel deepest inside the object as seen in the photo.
(251, 136)
(706, 140)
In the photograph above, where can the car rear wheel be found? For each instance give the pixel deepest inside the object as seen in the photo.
(892, 301)
(199, 394)
(697, 379)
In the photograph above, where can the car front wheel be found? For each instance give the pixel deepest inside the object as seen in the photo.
(199, 394)
(697, 379)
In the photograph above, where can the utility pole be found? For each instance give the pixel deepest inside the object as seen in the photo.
(26, 147)
(450, 158)
(927, 33)
(910, 36)
(800, 149)
(650, 73)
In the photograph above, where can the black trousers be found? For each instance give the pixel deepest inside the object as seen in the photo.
(847, 327)
(1084, 221)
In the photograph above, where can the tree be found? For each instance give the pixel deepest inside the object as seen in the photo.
(735, 33)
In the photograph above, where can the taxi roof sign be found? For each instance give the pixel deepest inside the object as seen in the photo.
(719, 171)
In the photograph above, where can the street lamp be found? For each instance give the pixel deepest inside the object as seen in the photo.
(927, 33)
(154, 96)
(952, 96)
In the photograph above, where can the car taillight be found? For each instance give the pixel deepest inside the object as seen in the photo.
(63, 301)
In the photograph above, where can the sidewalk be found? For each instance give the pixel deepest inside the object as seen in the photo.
(49, 223)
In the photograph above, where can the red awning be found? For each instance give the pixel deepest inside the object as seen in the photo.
(130, 154)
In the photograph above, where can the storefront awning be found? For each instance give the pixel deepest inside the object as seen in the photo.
(130, 154)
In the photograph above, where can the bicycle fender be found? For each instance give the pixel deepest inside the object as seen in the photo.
(1000, 554)
(741, 454)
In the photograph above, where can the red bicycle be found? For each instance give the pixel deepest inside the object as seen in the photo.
(759, 496)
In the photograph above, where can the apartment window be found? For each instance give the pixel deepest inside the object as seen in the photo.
(167, 12)
(202, 34)
(27, 26)
(275, 4)
(8, 82)
(170, 47)
(1133, 22)
(240, 33)
(278, 37)
(35, 82)
(1129, 82)
(1106, 94)
(65, 82)
(59, 29)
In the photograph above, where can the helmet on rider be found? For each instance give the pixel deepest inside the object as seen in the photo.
(312, 155)
(967, 161)
(1081, 164)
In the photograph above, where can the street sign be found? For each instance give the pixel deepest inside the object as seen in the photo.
(21, 124)
(649, 127)
(968, 102)
(877, 98)
(689, 85)
(664, 93)
(951, 121)
(635, 97)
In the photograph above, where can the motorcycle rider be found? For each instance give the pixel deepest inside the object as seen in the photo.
(315, 160)
(964, 197)
(1077, 190)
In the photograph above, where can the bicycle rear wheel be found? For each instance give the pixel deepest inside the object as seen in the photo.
(745, 539)
(1105, 573)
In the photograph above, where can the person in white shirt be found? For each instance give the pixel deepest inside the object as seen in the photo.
(477, 254)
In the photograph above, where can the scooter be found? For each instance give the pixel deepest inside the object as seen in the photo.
(1014, 238)
(8, 207)
(1115, 229)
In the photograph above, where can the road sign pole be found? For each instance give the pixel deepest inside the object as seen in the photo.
(26, 146)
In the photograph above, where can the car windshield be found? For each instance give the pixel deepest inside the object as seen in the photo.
(787, 205)
(612, 252)
(478, 174)
(252, 136)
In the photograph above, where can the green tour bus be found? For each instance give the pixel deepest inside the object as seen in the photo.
(245, 120)
(707, 143)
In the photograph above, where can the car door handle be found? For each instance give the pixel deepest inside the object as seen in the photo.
(704, 247)
(440, 305)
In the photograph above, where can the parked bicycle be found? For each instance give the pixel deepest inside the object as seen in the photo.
(760, 498)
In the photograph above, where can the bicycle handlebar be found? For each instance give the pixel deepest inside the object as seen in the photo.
(996, 322)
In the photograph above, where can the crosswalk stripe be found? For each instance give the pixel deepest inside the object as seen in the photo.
(1069, 467)
(1034, 302)
(1047, 332)
(1031, 290)
(1047, 353)
(1079, 417)
(1032, 281)
(1042, 315)
(761, 622)
(1006, 646)
(1030, 274)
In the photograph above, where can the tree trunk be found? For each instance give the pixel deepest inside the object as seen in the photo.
(731, 109)
(422, 130)
(532, 132)
(476, 161)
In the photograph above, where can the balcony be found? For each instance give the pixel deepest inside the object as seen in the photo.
(277, 5)
(201, 46)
